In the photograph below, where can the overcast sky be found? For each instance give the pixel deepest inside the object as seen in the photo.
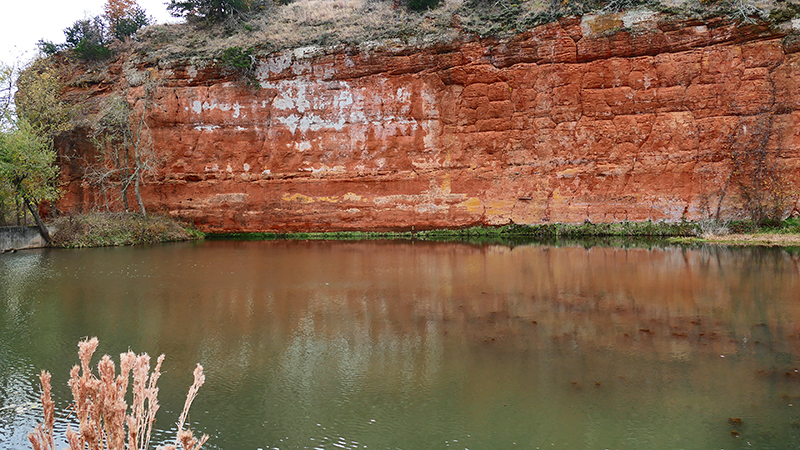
(24, 22)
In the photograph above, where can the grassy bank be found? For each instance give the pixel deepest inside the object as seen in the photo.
(786, 233)
(114, 229)
(507, 233)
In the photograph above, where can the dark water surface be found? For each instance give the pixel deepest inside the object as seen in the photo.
(399, 345)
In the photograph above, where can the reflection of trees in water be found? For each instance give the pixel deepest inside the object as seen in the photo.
(759, 287)
(16, 272)
(17, 399)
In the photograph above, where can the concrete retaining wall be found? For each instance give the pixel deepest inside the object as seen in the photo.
(20, 237)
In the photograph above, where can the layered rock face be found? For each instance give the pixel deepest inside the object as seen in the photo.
(622, 117)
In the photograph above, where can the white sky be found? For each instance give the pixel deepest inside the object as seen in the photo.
(23, 23)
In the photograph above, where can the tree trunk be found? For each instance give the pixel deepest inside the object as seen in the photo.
(42, 228)
(137, 157)
(126, 183)
(139, 194)
(16, 209)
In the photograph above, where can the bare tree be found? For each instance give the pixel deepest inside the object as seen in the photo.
(122, 135)
(143, 155)
(754, 150)
(111, 135)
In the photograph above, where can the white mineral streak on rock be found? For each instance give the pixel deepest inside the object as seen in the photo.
(639, 18)
(199, 107)
(206, 127)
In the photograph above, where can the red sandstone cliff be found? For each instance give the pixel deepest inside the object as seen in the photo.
(568, 122)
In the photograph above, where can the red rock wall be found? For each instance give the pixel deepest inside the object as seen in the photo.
(568, 122)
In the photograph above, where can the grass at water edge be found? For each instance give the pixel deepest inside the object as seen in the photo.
(510, 232)
(119, 229)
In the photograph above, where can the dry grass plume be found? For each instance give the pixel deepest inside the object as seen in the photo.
(106, 421)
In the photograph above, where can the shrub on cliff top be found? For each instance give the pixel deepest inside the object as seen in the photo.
(242, 63)
(211, 10)
(87, 38)
(422, 5)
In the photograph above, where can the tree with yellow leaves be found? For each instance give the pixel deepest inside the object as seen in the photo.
(28, 174)
(27, 168)
(38, 99)
(124, 17)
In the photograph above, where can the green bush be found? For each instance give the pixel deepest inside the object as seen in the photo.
(125, 27)
(784, 12)
(241, 62)
(87, 38)
(422, 5)
(236, 58)
(48, 48)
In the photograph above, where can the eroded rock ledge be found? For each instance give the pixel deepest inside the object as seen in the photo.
(621, 117)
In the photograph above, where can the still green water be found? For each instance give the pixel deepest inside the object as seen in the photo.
(401, 345)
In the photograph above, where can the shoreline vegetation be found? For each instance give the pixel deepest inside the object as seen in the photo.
(745, 232)
(124, 229)
(511, 232)
(757, 239)
(119, 229)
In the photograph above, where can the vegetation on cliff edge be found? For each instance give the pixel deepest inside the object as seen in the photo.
(261, 27)
(264, 27)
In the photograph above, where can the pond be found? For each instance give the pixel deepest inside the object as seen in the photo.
(415, 345)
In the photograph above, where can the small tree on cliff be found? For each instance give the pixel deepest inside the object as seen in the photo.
(88, 39)
(112, 136)
(125, 17)
(756, 169)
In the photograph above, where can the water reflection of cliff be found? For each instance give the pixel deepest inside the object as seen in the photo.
(507, 297)
(667, 298)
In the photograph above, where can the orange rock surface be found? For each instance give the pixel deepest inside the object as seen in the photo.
(567, 122)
